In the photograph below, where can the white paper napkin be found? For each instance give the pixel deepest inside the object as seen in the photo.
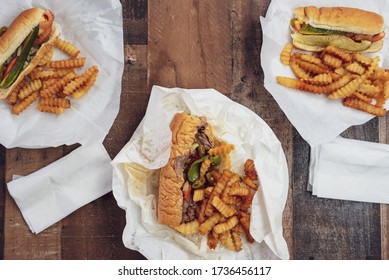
(55, 191)
(317, 118)
(96, 28)
(350, 170)
(135, 178)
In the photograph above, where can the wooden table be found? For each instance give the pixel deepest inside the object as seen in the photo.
(196, 44)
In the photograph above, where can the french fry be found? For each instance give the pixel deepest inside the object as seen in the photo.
(250, 183)
(226, 226)
(286, 53)
(85, 88)
(225, 210)
(332, 61)
(212, 240)
(67, 47)
(310, 67)
(356, 68)
(347, 90)
(320, 79)
(58, 86)
(13, 96)
(50, 109)
(345, 56)
(78, 82)
(298, 71)
(237, 241)
(365, 60)
(67, 63)
(22, 105)
(239, 191)
(188, 228)
(32, 86)
(366, 107)
(217, 190)
(245, 222)
(249, 169)
(198, 195)
(56, 102)
(205, 165)
(308, 58)
(226, 239)
(209, 223)
(246, 202)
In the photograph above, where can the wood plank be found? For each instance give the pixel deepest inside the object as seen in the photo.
(228, 60)
(384, 138)
(20, 242)
(333, 229)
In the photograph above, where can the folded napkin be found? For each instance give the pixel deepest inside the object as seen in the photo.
(53, 192)
(350, 170)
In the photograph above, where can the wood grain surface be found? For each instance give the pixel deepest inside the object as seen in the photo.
(197, 44)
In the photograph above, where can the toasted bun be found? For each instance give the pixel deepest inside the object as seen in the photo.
(19, 29)
(23, 24)
(374, 47)
(170, 198)
(342, 18)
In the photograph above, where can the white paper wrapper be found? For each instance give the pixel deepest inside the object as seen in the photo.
(96, 28)
(317, 118)
(135, 177)
(350, 170)
(53, 192)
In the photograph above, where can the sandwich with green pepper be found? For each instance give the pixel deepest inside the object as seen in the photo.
(192, 138)
(350, 29)
(22, 45)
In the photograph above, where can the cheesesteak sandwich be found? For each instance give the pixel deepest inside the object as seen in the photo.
(350, 29)
(191, 139)
(22, 46)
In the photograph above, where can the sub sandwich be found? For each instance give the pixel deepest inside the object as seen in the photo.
(22, 46)
(350, 29)
(192, 138)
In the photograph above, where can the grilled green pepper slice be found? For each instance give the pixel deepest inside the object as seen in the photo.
(18, 67)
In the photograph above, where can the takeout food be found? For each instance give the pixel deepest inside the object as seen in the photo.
(30, 74)
(198, 192)
(354, 30)
(353, 77)
(22, 45)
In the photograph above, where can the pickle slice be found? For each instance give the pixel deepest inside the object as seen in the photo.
(339, 41)
(310, 30)
(18, 67)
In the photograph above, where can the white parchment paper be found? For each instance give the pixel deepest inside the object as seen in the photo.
(96, 28)
(136, 167)
(317, 118)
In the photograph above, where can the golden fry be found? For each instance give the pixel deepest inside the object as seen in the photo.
(209, 223)
(321, 79)
(386, 90)
(237, 241)
(225, 210)
(249, 170)
(246, 202)
(369, 90)
(85, 88)
(300, 85)
(58, 86)
(198, 195)
(13, 96)
(332, 61)
(310, 67)
(365, 60)
(226, 239)
(308, 58)
(217, 190)
(347, 90)
(205, 165)
(245, 222)
(250, 183)
(212, 241)
(286, 53)
(188, 228)
(201, 210)
(345, 56)
(239, 191)
(56, 102)
(80, 81)
(366, 107)
(356, 68)
(32, 86)
(363, 97)
(50, 109)
(67, 63)
(298, 71)
(226, 226)
(67, 47)
(22, 105)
